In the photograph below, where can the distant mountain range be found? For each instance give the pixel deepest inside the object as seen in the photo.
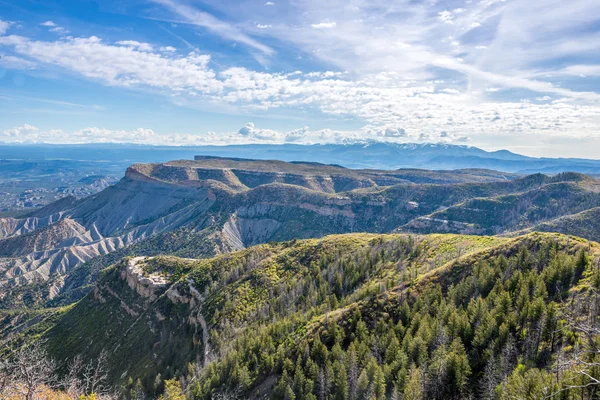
(377, 155)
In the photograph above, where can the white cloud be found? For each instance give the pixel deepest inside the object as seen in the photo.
(382, 99)
(25, 131)
(120, 66)
(324, 25)
(136, 45)
(446, 17)
(247, 129)
(31, 134)
(248, 134)
(59, 29)
(392, 132)
(269, 3)
(392, 80)
(53, 27)
(263, 26)
(4, 25)
(12, 62)
(405, 39)
(580, 70)
(450, 91)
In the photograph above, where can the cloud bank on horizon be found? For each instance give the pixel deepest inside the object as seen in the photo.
(494, 73)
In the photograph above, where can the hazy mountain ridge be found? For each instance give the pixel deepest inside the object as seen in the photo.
(34, 175)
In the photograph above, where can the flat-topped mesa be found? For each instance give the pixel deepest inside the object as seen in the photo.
(157, 173)
(243, 174)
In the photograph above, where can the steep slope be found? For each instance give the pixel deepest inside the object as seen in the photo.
(118, 216)
(564, 195)
(163, 294)
(261, 318)
(64, 233)
(584, 224)
(235, 204)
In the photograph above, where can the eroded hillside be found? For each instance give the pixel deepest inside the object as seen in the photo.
(213, 206)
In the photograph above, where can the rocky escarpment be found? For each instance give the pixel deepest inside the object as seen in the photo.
(39, 247)
(140, 315)
(145, 284)
(210, 206)
(240, 174)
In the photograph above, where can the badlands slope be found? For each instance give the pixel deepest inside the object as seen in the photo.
(213, 205)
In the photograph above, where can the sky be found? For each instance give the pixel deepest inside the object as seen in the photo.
(520, 75)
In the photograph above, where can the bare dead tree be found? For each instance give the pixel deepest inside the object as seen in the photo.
(72, 382)
(227, 395)
(95, 375)
(5, 378)
(33, 370)
(490, 379)
(581, 318)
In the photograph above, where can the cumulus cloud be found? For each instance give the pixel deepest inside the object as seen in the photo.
(247, 129)
(251, 132)
(393, 132)
(168, 49)
(136, 45)
(54, 27)
(26, 131)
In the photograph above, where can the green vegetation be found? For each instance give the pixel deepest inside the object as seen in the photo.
(486, 325)
(348, 317)
(345, 316)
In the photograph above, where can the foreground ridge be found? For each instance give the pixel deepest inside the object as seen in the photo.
(390, 308)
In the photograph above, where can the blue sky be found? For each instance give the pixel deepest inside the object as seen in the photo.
(512, 74)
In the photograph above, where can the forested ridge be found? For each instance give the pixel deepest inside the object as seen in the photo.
(496, 324)
(349, 317)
